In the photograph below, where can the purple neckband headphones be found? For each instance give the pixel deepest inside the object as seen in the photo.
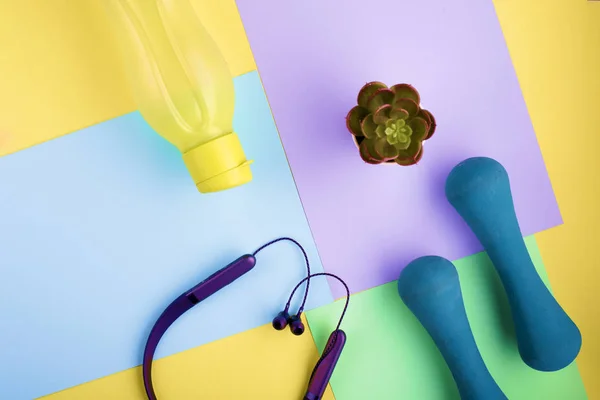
(325, 365)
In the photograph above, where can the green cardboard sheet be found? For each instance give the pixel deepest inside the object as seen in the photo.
(389, 355)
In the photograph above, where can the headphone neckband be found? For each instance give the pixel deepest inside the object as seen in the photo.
(217, 281)
(183, 303)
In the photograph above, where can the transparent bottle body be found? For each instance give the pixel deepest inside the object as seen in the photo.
(179, 78)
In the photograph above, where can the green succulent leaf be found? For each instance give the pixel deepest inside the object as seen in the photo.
(410, 161)
(382, 114)
(365, 149)
(367, 91)
(419, 127)
(408, 105)
(403, 142)
(385, 150)
(368, 126)
(406, 91)
(354, 119)
(401, 146)
(380, 131)
(397, 133)
(395, 124)
(379, 98)
(426, 115)
(392, 139)
(398, 113)
(411, 155)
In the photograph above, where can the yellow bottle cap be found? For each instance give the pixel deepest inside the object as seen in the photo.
(219, 164)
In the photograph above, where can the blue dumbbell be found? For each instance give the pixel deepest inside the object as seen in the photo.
(430, 288)
(479, 189)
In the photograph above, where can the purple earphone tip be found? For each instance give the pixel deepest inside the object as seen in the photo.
(298, 330)
(281, 320)
(296, 325)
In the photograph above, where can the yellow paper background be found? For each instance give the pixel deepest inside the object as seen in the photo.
(261, 363)
(60, 71)
(555, 47)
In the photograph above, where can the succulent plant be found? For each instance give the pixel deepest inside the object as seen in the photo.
(389, 125)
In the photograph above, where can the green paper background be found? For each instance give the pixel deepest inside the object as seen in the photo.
(389, 355)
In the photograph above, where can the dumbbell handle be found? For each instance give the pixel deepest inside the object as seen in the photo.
(479, 189)
(429, 286)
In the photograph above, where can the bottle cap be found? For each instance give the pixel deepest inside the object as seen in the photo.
(219, 164)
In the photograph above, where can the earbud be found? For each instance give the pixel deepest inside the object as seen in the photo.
(296, 325)
(284, 319)
(324, 368)
(281, 320)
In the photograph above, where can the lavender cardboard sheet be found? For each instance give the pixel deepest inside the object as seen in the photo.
(369, 221)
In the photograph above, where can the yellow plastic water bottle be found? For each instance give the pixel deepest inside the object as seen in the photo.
(183, 87)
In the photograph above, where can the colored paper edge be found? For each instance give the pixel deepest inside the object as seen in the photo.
(534, 41)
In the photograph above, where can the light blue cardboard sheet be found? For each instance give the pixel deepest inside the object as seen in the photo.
(102, 228)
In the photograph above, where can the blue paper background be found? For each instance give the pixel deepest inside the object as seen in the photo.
(102, 228)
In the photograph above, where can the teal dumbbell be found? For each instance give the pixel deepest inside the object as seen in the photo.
(479, 189)
(430, 288)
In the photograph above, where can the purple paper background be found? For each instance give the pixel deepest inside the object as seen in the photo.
(370, 221)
